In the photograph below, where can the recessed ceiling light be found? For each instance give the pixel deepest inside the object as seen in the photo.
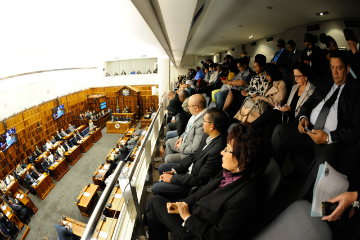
(322, 13)
(269, 7)
(251, 36)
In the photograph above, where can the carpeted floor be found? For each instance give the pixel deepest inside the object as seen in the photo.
(61, 200)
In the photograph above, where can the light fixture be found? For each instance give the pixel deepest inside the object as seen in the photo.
(251, 36)
(322, 13)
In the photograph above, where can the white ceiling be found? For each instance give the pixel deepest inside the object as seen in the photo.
(177, 17)
(218, 26)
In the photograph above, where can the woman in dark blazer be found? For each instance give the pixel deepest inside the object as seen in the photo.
(228, 206)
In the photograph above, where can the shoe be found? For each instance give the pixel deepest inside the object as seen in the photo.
(148, 189)
(158, 159)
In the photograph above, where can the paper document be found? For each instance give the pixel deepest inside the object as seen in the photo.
(101, 170)
(118, 195)
(41, 177)
(106, 166)
(86, 194)
(329, 184)
(17, 195)
(7, 214)
(103, 234)
(3, 207)
(22, 195)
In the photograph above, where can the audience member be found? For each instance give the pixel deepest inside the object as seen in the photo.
(354, 52)
(133, 71)
(116, 74)
(91, 125)
(3, 186)
(174, 106)
(113, 119)
(123, 72)
(8, 179)
(333, 113)
(71, 128)
(216, 83)
(199, 77)
(227, 205)
(53, 140)
(244, 54)
(280, 56)
(196, 169)
(18, 169)
(63, 133)
(21, 211)
(138, 72)
(181, 147)
(66, 146)
(38, 151)
(148, 72)
(58, 136)
(220, 96)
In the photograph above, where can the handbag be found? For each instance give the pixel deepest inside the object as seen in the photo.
(250, 110)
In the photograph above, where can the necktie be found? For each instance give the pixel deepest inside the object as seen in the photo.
(320, 121)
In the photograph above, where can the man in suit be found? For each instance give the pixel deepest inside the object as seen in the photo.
(34, 173)
(113, 118)
(64, 231)
(74, 141)
(38, 151)
(30, 179)
(71, 128)
(181, 147)
(292, 59)
(67, 146)
(20, 211)
(58, 136)
(81, 117)
(62, 133)
(53, 140)
(46, 164)
(78, 135)
(280, 56)
(333, 111)
(354, 52)
(174, 106)
(197, 169)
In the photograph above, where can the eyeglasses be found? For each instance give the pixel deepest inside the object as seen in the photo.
(298, 76)
(207, 122)
(227, 151)
(193, 106)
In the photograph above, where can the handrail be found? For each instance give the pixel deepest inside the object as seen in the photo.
(95, 216)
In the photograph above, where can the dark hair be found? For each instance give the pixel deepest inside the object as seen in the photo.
(273, 71)
(303, 68)
(244, 52)
(213, 65)
(292, 43)
(219, 65)
(234, 69)
(244, 61)
(308, 37)
(326, 39)
(260, 59)
(281, 43)
(206, 67)
(249, 147)
(197, 67)
(219, 118)
(229, 57)
(350, 35)
(341, 55)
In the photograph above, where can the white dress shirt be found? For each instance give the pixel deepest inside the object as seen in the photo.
(190, 122)
(332, 118)
(49, 145)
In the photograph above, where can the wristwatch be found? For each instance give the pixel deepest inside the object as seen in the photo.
(327, 139)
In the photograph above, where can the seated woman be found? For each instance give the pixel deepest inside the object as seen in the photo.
(220, 96)
(300, 92)
(226, 207)
(91, 125)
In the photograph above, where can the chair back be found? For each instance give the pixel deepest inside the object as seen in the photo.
(271, 180)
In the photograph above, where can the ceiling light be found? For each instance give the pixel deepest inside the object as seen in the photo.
(322, 13)
(251, 36)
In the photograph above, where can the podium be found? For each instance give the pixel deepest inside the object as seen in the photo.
(115, 202)
(87, 199)
(77, 227)
(105, 228)
(44, 186)
(99, 175)
(117, 127)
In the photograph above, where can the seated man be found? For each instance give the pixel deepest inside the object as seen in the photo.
(64, 231)
(78, 135)
(46, 164)
(334, 114)
(113, 119)
(38, 151)
(174, 106)
(20, 210)
(34, 173)
(53, 140)
(180, 147)
(197, 169)
(74, 141)
(58, 136)
(67, 145)
(63, 133)
(49, 145)
(29, 179)
(71, 128)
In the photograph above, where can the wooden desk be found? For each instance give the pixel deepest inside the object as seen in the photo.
(115, 202)
(77, 227)
(44, 186)
(13, 187)
(68, 136)
(25, 199)
(105, 228)
(55, 147)
(99, 175)
(129, 132)
(81, 128)
(88, 201)
(10, 214)
(59, 168)
(96, 135)
(86, 144)
(145, 122)
(40, 159)
(117, 127)
(133, 154)
(101, 122)
(123, 140)
(73, 155)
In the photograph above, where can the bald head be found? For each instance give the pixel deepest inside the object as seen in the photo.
(183, 95)
(170, 95)
(197, 103)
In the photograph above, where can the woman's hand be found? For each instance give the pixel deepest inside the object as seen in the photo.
(183, 210)
(285, 108)
(345, 200)
(172, 208)
(244, 93)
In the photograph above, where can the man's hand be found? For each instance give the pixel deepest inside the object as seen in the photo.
(173, 120)
(226, 81)
(244, 93)
(307, 62)
(345, 200)
(318, 136)
(165, 111)
(183, 210)
(178, 141)
(169, 172)
(304, 123)
(166, 178)
(352, 46)
(177, 146)
(172, 208)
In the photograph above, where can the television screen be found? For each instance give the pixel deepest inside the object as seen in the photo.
(7, 139)
(102, 105)
(58, 111)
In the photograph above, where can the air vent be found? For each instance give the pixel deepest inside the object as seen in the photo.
(187, 44)
(269, 39)
(352, 23)
(253, 44)
(315, 27)
(233, 49)
(197, 15)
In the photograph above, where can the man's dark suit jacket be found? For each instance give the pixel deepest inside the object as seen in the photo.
(74, 141)
(63, 233)
(78, 136)
(34, 175)
(38, 152)
(282, 59)
(292, 59)
(53, 141)
(19, 210)
(222, 214)
(347, 132)
(46, 165)
(206, 163)
(58, 137)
